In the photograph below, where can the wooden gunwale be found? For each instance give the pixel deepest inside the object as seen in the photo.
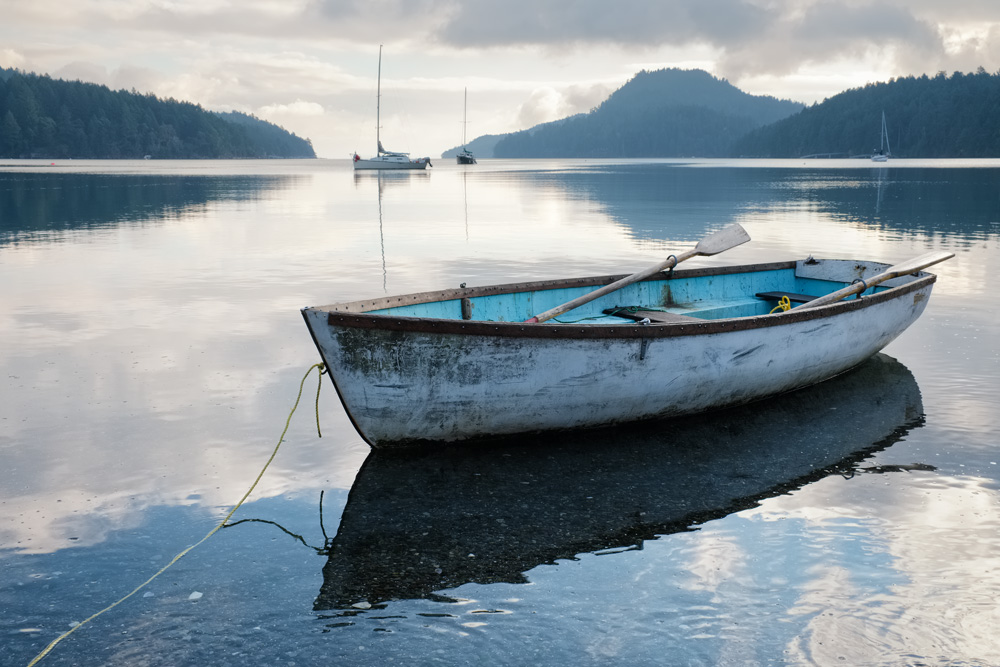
(380, 303)
(352, 315)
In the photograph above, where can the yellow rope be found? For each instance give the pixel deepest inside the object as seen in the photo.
(319, 387)
(784, 303)
(322, 369)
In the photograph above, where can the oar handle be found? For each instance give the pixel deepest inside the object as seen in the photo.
(724, 239)
(611, 287)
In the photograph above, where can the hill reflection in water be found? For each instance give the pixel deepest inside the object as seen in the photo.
(43, 206)
(672, 200)
(423, 521)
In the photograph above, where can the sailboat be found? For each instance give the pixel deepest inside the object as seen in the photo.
(465, 156)
(386, 159)
(882, 155)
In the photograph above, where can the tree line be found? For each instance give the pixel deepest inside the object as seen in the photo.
(680, 131)
(689, 113)
(41, 117)
(943, 116)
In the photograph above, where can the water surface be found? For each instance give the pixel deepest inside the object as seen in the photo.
(151, 349)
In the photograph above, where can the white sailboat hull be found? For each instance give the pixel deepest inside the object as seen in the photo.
(391, 162)
(883, 150)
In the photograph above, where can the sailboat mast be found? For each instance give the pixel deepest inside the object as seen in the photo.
(885, 133)
(881, 141)
(378, 105)
(465, 109)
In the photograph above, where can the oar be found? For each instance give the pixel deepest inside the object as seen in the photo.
(724, 239)
(901, 269)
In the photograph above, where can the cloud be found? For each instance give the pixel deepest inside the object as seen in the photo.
(542, 105)
(752, 37)
(632, 23)
(969, 49)
(826, 31)
(83, 71)
(11, 59)
(296, 108)
(749, 37)
(551, 103)
(369, 22)
(628, 23)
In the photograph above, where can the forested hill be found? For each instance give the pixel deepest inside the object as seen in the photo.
(663, 113)
(927, 117)
(41, 117)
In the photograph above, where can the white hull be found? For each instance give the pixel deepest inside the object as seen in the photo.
(884, 151)
(407, 380)
(413, 518)
(391, 162)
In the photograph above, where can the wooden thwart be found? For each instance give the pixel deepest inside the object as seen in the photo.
(792, 296)
(652, 315)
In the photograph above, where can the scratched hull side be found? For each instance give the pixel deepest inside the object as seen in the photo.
(401, 387)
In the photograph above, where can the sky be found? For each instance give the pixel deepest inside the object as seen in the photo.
(311, 66)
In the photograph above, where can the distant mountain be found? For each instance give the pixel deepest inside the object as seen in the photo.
(929, 117)
(480, 146)
(485, 146)
(41, 117)
(663, 113)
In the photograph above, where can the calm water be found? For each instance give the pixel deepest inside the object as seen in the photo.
(151, 349)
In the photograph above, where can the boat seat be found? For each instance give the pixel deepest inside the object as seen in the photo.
(652, 315)
(792, 296)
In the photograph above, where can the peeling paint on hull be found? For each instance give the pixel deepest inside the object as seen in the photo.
(408, 380)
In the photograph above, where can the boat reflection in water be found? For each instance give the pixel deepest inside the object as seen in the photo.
(422, 521)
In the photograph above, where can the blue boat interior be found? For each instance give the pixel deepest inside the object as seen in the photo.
(704, 297)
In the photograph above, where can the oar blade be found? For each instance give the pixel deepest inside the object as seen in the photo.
(919, 263)
(724, 239)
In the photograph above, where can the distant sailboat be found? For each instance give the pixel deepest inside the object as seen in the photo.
(387, 159)
(882, 155)
(465, 156)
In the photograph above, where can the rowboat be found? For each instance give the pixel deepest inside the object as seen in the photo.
(421, 521)
(474, 363)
